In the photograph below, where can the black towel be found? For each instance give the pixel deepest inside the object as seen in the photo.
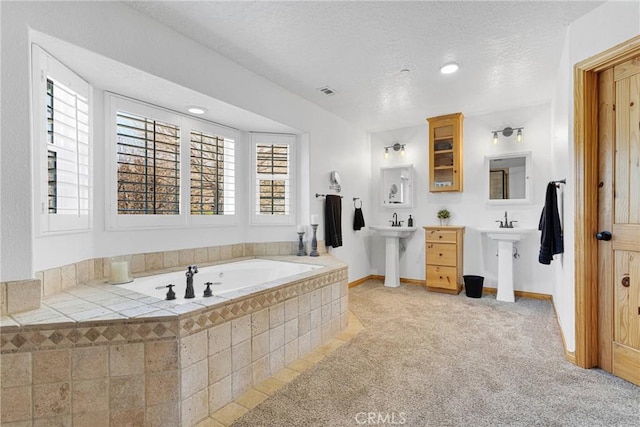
(333, 221)
(358, 219)
(551, 242)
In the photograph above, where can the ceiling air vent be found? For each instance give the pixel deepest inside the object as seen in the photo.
(327, 91)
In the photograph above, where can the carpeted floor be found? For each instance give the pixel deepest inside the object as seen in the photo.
(427, 359)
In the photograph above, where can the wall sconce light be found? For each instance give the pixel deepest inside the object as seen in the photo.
(508, 131)
(396, 147)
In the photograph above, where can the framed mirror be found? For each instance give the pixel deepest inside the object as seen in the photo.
(507, 178)
(396, 190)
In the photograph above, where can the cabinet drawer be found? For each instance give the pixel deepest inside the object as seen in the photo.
(441, 254)
(448, 236)
(442, 277)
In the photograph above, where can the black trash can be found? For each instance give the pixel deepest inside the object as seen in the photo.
(473, 286)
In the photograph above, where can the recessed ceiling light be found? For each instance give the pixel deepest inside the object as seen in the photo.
(452, 67)
(196, 110)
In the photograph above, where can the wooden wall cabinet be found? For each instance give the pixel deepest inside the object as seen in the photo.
(445, 152)
(443, 258)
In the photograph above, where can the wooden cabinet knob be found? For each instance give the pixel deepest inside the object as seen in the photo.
(626, 282)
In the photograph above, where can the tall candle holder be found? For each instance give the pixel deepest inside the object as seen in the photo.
(301, 251)
(314, 242)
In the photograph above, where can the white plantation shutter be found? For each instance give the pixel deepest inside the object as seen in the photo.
(273, 168)
(62, 145)
(212, 174)
(69, 140)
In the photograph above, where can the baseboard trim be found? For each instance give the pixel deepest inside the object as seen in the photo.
(361, 281)
(570, 356)
(402, 280)
(521, 294)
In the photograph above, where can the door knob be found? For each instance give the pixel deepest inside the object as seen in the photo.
(603, 235)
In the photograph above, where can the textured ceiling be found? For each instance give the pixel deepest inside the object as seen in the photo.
(508, 51)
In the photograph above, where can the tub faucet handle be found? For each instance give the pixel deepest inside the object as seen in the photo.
(208, 292)
(170, 294)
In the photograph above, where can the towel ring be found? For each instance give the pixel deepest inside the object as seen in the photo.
(355, 199)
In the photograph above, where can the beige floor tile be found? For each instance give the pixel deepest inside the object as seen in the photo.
(300, 365)
(345, 336)
(270, 386)
(251, 398)
(229, 413)
(334, 344)
(286, 375)
(210, 422)
(329, 347)
(314, 357)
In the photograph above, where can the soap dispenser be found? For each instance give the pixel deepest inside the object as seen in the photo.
(410, 221)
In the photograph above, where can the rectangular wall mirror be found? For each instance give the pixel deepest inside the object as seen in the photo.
(396, 190)
(508, 178)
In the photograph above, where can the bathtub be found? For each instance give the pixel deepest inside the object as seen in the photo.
(228, 280)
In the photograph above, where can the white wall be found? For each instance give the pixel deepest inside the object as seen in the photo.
(604, 27)
(122, 34)
(469, 208)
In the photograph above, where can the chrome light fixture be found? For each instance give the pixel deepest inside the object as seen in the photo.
(508, 131)
(396, 147)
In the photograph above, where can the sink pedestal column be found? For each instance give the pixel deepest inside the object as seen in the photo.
(505, 271)
(392, 262)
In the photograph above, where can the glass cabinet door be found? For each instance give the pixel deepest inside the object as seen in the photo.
(445, 148)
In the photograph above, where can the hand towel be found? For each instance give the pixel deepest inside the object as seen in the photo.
(333, 221)
(358, 219)
(551, 239)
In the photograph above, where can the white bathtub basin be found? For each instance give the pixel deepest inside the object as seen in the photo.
(229, 280)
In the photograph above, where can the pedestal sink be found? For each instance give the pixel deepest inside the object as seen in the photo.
(392, 235)
(505, 238)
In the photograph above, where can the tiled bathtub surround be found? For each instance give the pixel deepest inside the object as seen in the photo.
(25, 295)
(93, 355)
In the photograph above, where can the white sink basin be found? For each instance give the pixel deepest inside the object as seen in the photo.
(392, 251)
(506, 237)
(389, 231)
(507, 234)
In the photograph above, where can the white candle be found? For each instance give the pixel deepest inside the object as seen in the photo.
(300, 228)
(315, 219)
(119, 272)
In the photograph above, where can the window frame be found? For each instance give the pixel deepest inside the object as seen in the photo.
(116, 221)
(279, 139)
(44, 67)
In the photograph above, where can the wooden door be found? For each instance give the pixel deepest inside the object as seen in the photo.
(619, 212)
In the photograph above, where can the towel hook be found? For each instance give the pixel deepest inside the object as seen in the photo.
(355, 199)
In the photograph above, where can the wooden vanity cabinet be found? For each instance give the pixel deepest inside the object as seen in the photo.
(445, 152)
(443, 258)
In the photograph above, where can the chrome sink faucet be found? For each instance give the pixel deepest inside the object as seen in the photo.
(506, 223)
(394, 222)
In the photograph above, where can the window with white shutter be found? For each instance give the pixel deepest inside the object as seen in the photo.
(62, 148)
(273, 169)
